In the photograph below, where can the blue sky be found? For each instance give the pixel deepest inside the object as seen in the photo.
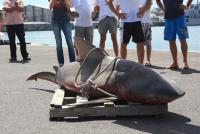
(44, 3)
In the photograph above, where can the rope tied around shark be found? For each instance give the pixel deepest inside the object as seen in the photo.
(90, 83)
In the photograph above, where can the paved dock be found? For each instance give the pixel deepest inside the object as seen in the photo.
(24, 106)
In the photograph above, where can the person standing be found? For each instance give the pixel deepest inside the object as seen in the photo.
(107, 21)
(14, 22)
(175, 25)
(144, 9)
(61, 22)
(83, 23)
(132, 27)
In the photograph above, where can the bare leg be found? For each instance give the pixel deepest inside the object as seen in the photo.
(102, 40)
(148, 50)
(174, 52)
(123, 51)
(115, 44)
(184, 48)
(140, 52)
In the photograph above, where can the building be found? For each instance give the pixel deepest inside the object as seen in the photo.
(37, 14)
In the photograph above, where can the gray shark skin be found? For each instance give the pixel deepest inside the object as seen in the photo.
(125, 79)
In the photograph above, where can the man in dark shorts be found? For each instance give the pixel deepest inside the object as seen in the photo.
(132, 26)
(175, 25)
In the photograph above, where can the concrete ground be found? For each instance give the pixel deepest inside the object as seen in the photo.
(24, 106)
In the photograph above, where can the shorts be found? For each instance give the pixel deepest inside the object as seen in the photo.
(85, 33)
(108, 23)
(134, 30)
(175, 27)
(147, 33)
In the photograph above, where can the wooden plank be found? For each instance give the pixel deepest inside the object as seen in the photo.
(109, 104)
(69, 100)
(81, 99)
(153, 109)
(58, 97)
(118, 110)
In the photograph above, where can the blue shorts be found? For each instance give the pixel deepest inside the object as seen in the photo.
(175, 27)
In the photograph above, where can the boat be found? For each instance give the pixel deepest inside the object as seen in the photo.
(192, 15)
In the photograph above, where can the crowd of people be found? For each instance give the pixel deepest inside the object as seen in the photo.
(133, 15)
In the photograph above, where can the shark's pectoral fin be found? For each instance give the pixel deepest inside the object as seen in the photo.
(49, 76)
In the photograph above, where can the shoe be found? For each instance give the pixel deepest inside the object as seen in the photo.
(26, 59)
(12, 60)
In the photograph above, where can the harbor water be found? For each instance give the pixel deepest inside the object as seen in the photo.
(47, 38)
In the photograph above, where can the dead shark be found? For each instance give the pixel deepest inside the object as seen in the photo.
(99, 75)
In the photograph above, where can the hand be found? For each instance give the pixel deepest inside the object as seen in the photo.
(74, 14)
(16, 4)
(122, 16)
(93, 15)
(183, 7)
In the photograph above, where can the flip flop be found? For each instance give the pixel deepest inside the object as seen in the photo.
(186, 67)
(148, 64)
(173, 67)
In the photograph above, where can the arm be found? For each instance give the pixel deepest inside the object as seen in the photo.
(189, 3)
(96, 9)
(182, 6)
(159, 3)
(145, 7)
(68, 4)
(19, 7)
(116, 11)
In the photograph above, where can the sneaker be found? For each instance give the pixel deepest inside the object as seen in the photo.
(11, 60)
(26, 59)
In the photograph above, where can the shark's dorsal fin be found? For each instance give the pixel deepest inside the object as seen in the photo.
(55, 68)
(83, 47)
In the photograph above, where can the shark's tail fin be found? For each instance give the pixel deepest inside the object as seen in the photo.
(49, 76)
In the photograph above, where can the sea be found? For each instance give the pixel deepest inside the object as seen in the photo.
(158, 43)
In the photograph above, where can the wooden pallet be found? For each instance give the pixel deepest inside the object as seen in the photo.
(62, 107)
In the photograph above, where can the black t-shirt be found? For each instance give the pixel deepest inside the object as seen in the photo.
(60, 12)
(172, 8)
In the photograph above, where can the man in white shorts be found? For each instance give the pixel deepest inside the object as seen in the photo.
(83, 23)
(132, 27)
(107, 22)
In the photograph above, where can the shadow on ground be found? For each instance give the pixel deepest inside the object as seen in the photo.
(170, 123)
(45, 90)
(186, 71)
(182, 71)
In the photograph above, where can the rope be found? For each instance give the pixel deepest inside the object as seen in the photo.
(91, 81)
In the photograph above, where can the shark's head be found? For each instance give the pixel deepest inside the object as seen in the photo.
(83, 47)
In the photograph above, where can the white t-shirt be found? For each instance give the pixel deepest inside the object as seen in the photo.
(84, 8)
(104, 8)
(147, 15)
(131, 8)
